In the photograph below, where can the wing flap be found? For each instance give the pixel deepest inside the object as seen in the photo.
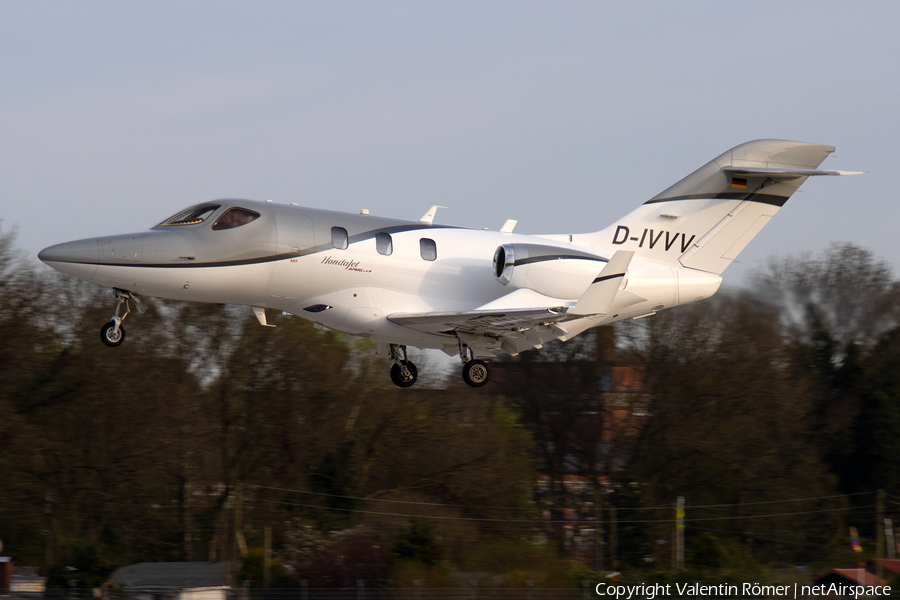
(498, 322)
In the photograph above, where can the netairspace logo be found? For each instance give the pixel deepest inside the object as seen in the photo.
(650, 591)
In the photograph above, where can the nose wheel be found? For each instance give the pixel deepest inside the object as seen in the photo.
(403, 372)
(113, 334)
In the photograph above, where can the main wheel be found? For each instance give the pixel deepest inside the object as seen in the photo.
(110, 336)
(398, 378)
(476, 373)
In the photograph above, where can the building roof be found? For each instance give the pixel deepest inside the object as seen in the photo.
(853, 576)
(891, 565)
(174, 575)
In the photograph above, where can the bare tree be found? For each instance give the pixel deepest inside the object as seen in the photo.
(846, 291)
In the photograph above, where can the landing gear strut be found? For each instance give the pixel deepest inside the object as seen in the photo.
(475, 372)
(113, 334)
(403, 372)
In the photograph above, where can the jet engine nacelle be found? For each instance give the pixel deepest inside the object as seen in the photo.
(548, 270)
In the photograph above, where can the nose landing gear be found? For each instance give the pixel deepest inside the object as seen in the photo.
(403, 372)
(113, 334)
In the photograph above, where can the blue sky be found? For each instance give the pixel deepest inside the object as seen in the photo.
(564, 116)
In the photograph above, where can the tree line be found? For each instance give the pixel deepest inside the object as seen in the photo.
(204, 430)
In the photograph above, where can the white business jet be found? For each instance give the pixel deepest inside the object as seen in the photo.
(469, 292)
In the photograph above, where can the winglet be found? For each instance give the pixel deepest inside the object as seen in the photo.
(599, 297)
(508, 226)
(260, 313)
(428, 217)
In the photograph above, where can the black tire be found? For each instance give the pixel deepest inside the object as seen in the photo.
(107, 336)
(476, 373)
(397, 377)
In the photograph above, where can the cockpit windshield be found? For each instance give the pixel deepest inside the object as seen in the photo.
(235, 217)
(191, 216)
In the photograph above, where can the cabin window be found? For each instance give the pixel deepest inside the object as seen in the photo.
(191, 216)
(234, 217)
(339, 238)
(428, 249)
(384, 244)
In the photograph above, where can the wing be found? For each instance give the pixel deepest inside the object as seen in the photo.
(480, 321)
(521, 308)
(525, 319)
(485, 331)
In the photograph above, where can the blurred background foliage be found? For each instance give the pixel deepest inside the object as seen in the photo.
(773, 410)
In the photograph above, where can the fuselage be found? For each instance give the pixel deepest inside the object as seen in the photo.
(350, 272)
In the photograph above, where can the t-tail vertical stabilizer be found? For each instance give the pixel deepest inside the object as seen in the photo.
(706, 219)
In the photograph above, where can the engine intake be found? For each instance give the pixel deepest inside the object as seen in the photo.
(504, 261)
(555, 271)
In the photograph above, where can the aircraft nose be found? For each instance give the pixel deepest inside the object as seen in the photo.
(80, 251)
(78, 258)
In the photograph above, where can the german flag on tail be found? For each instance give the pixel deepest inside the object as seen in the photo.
(737, 182)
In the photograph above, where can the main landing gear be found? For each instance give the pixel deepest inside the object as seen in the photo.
(403, 372)
(113, 334)
(475, 372)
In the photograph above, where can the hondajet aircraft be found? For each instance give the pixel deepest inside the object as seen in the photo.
(469, 292)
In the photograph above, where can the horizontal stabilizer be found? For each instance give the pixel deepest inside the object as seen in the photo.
(599, 297)
(779, 174)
